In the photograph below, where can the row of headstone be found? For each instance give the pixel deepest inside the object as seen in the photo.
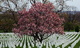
(69, 41)
(8, 40)
(11, 41)
(74, 43)
(61, 40)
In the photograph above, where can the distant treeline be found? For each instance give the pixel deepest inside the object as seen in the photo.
(72, 20)
(7, 19)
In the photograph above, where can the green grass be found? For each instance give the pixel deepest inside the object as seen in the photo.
(78, 44)
(1, 31)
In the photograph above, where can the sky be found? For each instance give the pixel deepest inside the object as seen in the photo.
(75, 3)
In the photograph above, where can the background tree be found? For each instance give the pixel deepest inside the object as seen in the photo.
(71, 20)
(7, 21)
(60, 5)
(77, 28)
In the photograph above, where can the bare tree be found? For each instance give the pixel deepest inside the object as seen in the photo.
(60, 5)
(18, 4)
(42, 1)
(12, 5)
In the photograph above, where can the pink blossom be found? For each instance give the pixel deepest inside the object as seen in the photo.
(40, 18)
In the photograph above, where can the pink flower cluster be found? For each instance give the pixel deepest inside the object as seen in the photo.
(39, 18)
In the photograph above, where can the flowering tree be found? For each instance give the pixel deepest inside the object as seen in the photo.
(38, 21)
